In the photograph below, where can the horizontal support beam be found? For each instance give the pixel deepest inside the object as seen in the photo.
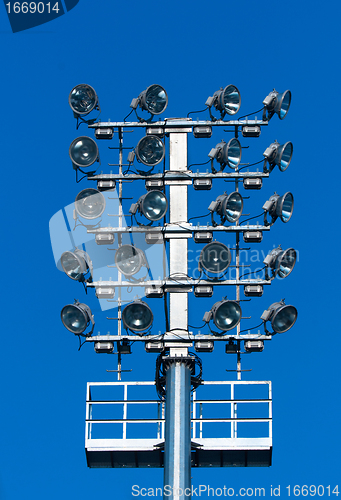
(180, 123)
(177, 228)
(224, 337)
(177, 282)
(157, 420)
(167, 176)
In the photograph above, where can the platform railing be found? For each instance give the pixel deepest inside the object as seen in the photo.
(232, 406)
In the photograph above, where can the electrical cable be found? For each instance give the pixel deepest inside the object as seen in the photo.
(251, 164)
(253, 113)
(255, 217)
(252, 272)
(192, 112)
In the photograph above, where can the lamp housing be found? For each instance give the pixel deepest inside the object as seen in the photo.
(76, 317)
(83, 152)
(76, 265)
(279, 206)
(226, 100)
(129, 260)
(278, 103)
(137, 317)
(229, 153)
(90, 203)
(150, 150)
(280, 155)
(83, 99)
(214, 258)
(228, 206)
(282, 316)
(226, 314)
(153, 205)
(280, 261)
(154, 100)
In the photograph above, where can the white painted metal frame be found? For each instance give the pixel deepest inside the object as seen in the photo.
(197, 420)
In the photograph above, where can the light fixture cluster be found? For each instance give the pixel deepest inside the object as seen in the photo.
(215, 257)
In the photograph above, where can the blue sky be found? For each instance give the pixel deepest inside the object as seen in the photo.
(191, 49)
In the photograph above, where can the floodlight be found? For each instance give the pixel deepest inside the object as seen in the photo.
(129, 260)
(150, 150)
(228, 206)
(154, 99)
(215, 258)
(277, 103)
(90, 203)
(226, 314)
(76, 264)
(277, 154)
(83, 152)
(152, 205)
(229, 154)
(76, 318)
(83, 99)
(279, 206)
(280, 261)
(137, 317)
(282, 317)
(225, 100)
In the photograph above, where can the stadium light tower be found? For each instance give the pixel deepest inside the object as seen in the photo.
(167, 193)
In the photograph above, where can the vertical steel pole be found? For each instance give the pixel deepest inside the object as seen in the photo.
(177, 466)
(177, 456)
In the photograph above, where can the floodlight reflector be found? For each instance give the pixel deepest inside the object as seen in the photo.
(279, 206)
(228, 154)
(280, 155)
(153, 205)
(232, 206)
(277, 103)
(90, 203)
(282, 104)
(137, 316)
(285, 206)
(83, 99)
(215, 257)
(282, 316)
(285, 262)
(229, 100)
(129, 260)
(83, 152)
(226, 314)
(75, 264)
(225, 100)
(154, 99)
(150, 150)
(282, 262)
(76, 317)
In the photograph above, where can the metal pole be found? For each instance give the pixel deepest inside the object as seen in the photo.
(177, 457)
